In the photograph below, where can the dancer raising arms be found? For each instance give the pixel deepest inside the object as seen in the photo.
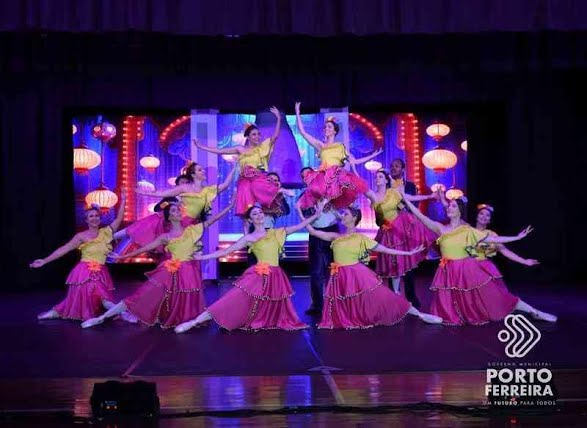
(355, 297)
(466, 291)
(331, 180)
(89, 283)
(173, 292)
(398, 229)
(261, 297)
(253, 186)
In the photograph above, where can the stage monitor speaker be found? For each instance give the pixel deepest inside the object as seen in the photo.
(114, 398)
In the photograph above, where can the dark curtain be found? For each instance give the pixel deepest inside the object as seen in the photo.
(527, 150)
(309, 17)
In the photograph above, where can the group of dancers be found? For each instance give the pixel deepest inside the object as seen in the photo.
(467, 287)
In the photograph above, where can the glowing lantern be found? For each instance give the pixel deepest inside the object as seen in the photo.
(464, 145)
(74, 129)
(438, 130)
(438, 186)
(150, 163)
(104, 131)
(454, 193)
(85, 159)
(145, 185)
(373, 166)
(102, 197)
(151, 207)
(439, 160)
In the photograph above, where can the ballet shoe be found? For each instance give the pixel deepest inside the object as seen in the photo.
(48, 315)
(128, 317)
(183, 327)
(430, 319)
(543, 316)
(92, 322)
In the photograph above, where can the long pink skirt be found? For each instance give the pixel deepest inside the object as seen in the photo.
(253, 187)
(258, 301)
(89, 284)
(404, 233)
(470, 291)
(334, 183)
(147, 229)
(169, 298)
(355, 298)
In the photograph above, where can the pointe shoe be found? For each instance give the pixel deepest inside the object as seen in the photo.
(543, 316)
(128, 317)
(430, 319)
(92, 322)
(183, 327)
(48, 315)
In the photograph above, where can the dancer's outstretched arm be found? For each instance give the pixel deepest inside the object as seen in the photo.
(276, 113)
(314, 142)
(382, 249)
(416, 198)
(241, 243)
(120, 215)
(224, 185)
(428, 222)
(219, 215)
(226, 151)
(161, 240)
(325, 236)
(516, 258)
(75, 242)
(506, 239)
(174, 191)
(307, 221)
(355, 161)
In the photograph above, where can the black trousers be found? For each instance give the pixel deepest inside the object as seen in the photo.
(320, 257)
(409, 288)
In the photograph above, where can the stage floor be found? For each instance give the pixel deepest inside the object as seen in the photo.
(52, 365)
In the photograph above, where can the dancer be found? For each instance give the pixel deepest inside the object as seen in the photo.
(355, 297)
(173, 292)
(195, 198)
(253, 185)
(319, 252)
(398, 229)
(261, 297)
(89, 284)
(466, 291)
(331, 180)
(484, 250)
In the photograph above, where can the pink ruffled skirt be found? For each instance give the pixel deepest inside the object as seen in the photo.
(334, 183)
(259, 300)
(89, 284)
(253, 187)
(144, 231)
(404, 233)
(172, 294)
(355, 298)
(470, 291)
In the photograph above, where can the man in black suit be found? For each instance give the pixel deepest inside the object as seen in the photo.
(397, 171)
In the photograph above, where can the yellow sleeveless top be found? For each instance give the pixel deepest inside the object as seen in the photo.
(387, 208)
(269, 248)
(257, 157)
(195, 203)
(183, 247)
(485, 249)
(96, 250)
(460, 243)
(332, 155)
(352, 248)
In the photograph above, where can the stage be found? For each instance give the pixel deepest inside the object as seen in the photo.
(50, 367)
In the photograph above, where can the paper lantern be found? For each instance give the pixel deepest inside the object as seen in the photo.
(454, 193)
(464, 145)
(102, 197)
(438, 130)
(85, 159)
(104, 131)
(438, 186)
(145, 185)
(439, 160)
(150, 163)
(373, 166)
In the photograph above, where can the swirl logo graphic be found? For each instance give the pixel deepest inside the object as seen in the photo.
(521, 336)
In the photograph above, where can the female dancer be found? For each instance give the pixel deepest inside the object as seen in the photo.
(196, 200)
(261, 297)
(173, 291)
(331, 180)
(484, 250)
(398, 229)
(89, 283)
(355, 298)
(253, 186)
(466, 291)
